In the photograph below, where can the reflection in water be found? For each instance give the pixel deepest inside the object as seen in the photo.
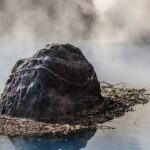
(75, 142)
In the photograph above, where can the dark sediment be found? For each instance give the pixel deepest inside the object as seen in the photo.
(52, 85)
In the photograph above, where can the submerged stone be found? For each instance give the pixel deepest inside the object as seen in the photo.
(54, 83)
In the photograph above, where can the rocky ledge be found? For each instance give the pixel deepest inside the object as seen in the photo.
(116, 103)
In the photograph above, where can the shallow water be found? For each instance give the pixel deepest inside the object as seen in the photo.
(132, 132)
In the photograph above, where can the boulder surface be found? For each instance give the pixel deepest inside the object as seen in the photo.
(54, 83)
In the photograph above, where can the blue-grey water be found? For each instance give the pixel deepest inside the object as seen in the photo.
(132, 132)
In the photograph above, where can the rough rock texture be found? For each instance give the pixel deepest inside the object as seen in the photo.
(53, 84)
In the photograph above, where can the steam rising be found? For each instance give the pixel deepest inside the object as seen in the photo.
(114, 34)
(127, 21)
(44, 20)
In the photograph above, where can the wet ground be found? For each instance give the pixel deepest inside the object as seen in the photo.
(131, 132)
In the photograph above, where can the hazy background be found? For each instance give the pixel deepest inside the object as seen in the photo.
(113, 34)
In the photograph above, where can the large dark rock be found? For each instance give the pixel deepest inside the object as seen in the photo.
(56, 82)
